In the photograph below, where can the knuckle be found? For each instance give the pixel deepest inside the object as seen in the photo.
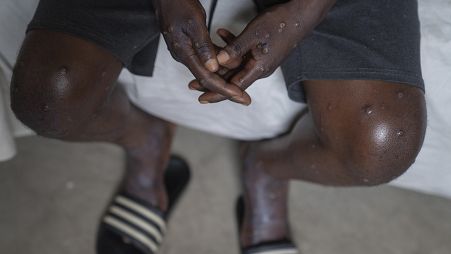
(263, 70)
(208, 78)
(194, 25)
(203, 48)
(205, 82)
(268, 72)
(202, 45)
(235, 49)
(168, 30)
(179, 48)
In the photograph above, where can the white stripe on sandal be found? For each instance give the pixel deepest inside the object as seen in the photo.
(133, 233)
(142, 210)
(135, 220)
(281, 251)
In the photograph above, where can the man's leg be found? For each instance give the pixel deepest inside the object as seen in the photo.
(356, 133)
(64, 87)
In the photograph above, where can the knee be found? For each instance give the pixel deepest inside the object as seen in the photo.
(44, 100)
(379, 153)
(378, 147)
(58, 88)
(374, 129)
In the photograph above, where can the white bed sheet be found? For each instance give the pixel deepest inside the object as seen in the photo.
(432, 171)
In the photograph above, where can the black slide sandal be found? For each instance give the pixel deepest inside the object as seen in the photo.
(132, 226)
(283, 246)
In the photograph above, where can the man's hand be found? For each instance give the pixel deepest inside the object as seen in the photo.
(184, 29)
(267, 41)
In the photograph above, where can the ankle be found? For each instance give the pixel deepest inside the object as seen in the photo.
(260, 231)
(150, 189)
(144, 177)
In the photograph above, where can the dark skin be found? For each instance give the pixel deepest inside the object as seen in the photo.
(184, 29)
(356, 132)
(266, 41)
(64, 87)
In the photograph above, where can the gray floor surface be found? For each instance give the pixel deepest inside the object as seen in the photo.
(52, 194)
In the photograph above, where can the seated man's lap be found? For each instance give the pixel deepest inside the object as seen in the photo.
(360, 40)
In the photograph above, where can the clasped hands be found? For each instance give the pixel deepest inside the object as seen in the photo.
(225, 73)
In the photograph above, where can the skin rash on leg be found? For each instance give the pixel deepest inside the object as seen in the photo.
(356, 133)
(73, 97)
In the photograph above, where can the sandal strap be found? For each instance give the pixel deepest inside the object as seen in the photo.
(132, 219)
(272, 248)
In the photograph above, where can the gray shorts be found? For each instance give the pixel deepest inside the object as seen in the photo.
(358, 40)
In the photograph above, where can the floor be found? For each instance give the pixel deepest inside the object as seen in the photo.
(53, 193)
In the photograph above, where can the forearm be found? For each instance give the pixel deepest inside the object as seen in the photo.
(309, 13)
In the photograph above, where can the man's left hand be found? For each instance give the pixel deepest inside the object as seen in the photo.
(266, 41)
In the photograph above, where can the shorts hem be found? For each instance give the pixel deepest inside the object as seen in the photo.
(83, 32)
(296, 89)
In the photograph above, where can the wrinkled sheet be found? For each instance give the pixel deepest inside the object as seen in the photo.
(166, 95)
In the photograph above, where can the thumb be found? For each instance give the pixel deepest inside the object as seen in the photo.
(205, 49)
(232, 55)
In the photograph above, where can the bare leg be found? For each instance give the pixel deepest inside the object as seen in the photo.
(64, 87)
(357, 133)
(265, 199)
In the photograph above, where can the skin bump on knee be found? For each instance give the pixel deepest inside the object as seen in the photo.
(40, 101)
(386, 138)
(383, 153)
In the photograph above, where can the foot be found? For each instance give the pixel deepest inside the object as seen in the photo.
(132, 226)
(265, 199)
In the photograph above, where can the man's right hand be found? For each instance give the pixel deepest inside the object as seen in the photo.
(183, 24)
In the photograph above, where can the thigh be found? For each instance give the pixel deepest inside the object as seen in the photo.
(360, 40)
(128, 29)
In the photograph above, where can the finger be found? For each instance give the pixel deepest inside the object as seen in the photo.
(195, 85)
(248, 75)
(231, 56)
(226, 35)
(242, 79)
(209, 80)
(209, 97)
(204, 48)
(225, 73)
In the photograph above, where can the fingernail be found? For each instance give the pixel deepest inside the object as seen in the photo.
(240, 100)
(212, 65)
(223, 57)
(204, 102)
(191, 86)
